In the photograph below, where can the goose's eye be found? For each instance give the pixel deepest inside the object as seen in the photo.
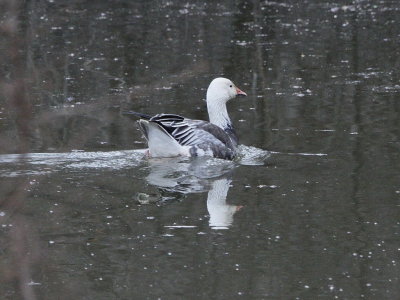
(230, 85)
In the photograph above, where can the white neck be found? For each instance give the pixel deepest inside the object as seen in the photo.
(218, 114)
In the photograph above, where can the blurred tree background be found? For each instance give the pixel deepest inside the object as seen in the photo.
(70, 68)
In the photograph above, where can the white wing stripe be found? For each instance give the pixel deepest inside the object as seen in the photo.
(187, 138)
(180, 132)
(192, 140)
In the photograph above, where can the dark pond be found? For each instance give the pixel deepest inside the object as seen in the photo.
(311, 210)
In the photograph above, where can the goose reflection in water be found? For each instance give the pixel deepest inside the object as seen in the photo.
(221, 213)
(198, 175)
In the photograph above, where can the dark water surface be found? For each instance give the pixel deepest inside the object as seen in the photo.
(310, 211)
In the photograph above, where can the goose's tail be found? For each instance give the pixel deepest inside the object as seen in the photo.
(161, 143)
(137, 114)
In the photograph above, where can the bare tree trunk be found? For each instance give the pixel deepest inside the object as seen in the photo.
(14, 91)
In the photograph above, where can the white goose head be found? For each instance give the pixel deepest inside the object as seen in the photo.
(220, 91)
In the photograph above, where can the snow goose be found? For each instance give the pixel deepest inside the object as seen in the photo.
(170, 135)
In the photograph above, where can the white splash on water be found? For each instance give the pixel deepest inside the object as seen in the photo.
(299, 153)
(180, 226)
(252, 156)
(14, 165)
